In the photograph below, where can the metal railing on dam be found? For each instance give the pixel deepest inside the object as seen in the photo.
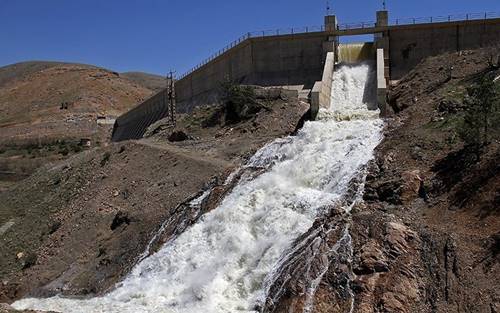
(423, 20)
(446, 18)
(343, 27)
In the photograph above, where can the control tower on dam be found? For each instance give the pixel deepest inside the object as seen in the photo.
(304, 59)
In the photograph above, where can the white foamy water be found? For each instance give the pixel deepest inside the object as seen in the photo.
(220, 263)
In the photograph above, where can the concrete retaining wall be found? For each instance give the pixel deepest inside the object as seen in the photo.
(200, 87)
(411, 44)
(134, 123)
(381, 83)
(268, 61)
(322, 91)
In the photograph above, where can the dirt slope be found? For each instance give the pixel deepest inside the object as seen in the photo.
(446, 203)
(78, 226)
(47, 107)
(150, 81)
(63, 101)
(23, 69)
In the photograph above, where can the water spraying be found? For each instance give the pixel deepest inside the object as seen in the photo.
(221, 263)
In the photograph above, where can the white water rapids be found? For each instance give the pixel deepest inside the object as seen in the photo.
(221, 263)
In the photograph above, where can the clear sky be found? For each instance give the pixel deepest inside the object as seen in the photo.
(157, 35)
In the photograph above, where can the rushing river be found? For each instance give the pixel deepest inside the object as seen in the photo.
(220, 264)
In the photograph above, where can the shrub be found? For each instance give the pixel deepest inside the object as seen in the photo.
(214, 118)
(481, 119)
(240, 102)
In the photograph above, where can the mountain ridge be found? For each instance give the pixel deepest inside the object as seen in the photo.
(21, 69)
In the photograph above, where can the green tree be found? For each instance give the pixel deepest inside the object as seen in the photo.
(481, 118)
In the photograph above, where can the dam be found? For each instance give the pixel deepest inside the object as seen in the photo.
(304, 60)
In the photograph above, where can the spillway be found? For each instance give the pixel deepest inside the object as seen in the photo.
(354, 53)
(221, 263)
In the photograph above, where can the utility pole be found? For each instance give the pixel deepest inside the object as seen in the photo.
(327, 7)
(171, 96)
(383, 4)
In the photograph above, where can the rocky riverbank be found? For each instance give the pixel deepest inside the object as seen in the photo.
(426, 237)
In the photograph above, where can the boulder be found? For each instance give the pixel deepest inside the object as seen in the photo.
(159, 126)
(411, 184)
(178, 135)
(398, 238)
(372, 259)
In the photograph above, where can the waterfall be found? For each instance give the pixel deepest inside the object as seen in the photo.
(220, 263)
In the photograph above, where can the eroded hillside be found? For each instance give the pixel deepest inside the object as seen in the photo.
(46, 108)
(63, 101)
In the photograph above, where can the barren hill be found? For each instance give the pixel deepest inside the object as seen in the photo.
(63, 100)
(23, 69)
(47, 107)
(150, 81)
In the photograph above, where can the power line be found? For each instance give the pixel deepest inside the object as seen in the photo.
(171, 96)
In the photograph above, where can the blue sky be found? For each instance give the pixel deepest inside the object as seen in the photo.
(158, 35)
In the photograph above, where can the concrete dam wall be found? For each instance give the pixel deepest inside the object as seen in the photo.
(134, 123)
(301, 59)
(267, 61)
(410, 44)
